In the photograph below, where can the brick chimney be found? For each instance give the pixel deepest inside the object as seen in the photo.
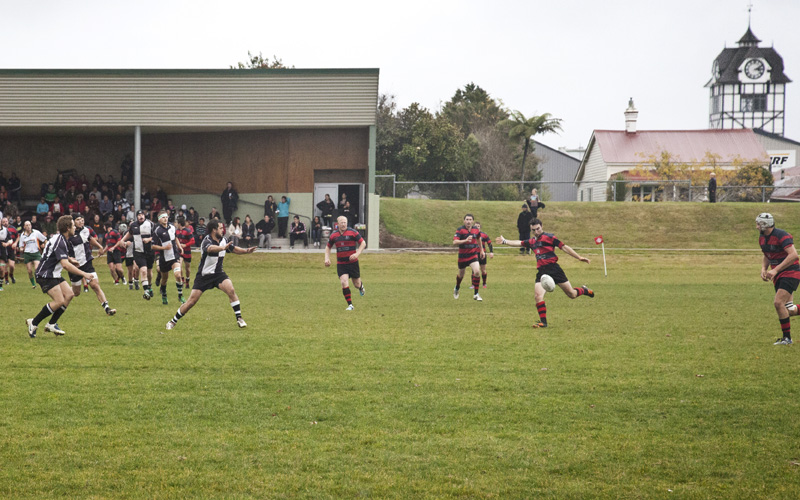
(630, 117)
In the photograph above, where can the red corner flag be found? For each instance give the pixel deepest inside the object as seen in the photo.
(598, 240)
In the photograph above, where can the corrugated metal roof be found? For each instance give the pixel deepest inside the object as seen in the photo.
(188, 98)
(618, 146)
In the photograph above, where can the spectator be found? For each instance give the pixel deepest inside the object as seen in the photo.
(4, 195)
(213, 214)
(106, 207)
(98, 182)
(126, 170)
(60, 184)
(342, 203)
(348, 212)
(70, 196)
(283, 216)
(94, 208)
(15, 188)
(98, 195)
(270, 208)
(111, 183)
(51, 194)
(712, 188)
(191, 218)
(130, 193)
(230, 201)
(264, 229)
(35, 223)
(72, 183)
(49, 225)
(200, 230)
(316, 230)
(161, 195)
(155, 208)
(534, 203)
(298, 232)
(3, 181)
(146, 198)
(57, 208)
(79, 205)
(170, 207)
(524, 226)
(42, 208)
(248, 232)
(327, 208)
(97, 224)
(234, 232)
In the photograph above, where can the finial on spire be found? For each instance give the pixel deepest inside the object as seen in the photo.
(749, 12)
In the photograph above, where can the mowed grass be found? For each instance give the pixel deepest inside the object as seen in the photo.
(665, 385)
(623, 225)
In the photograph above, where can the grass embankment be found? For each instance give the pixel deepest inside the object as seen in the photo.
(623, 225)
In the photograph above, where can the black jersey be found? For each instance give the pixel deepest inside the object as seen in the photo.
(55, 251)
(211, 262)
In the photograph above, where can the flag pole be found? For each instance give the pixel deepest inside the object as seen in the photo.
(605, 269)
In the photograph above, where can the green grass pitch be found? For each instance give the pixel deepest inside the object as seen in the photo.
(665, 385)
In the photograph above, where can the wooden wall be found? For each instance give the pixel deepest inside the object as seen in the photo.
(257, 161)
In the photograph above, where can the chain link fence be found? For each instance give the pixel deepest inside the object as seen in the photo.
(612, 190)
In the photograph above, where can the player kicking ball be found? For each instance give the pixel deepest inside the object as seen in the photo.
(210, 274)
(544, 246)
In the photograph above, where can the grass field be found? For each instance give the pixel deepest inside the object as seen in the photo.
(665, 385)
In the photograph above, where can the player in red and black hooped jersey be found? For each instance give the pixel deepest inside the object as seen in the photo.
(781, 265)
(544, 246)
(485, 241)
(185, 236)
(113, 257)
(349, 245)
(470, 251)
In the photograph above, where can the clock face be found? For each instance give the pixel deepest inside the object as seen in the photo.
(715, 70)
(754, 69)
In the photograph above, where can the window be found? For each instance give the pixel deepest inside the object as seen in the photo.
(753, 102)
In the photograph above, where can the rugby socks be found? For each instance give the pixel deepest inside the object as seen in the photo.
(346, 293)
(483, 275)
(786, 327)
(458, 281)
(542, 308)
(178, 315)
(158, 279)
(476, 283)
(105, 307)
(179, 286)
(45, 312)
(57, 314)
(163, 289)
(579, 291)
(33, 282)
(237, 309)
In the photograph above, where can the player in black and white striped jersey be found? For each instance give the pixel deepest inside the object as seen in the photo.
(140, 232)
(211, 275)
(81, 243)
(48, 276)
(164, 240)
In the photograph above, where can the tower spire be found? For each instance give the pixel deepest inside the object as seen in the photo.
(749, 13)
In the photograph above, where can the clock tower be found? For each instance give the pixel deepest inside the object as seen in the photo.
(748, 88)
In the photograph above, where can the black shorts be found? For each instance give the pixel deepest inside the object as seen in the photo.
(209, 281)
(143, 260)
(166, 265)
(47, 284)
(128, 261)
(554, 271)
(186, 259)
(482, 261)
(114, 257)
(466, 264)
(3, 254)
(788, 284)
(87, 268)
(351, 269)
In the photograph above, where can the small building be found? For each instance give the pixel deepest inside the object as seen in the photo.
(624, 153)
(558, 172)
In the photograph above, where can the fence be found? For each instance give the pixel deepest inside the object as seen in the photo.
(612, 190)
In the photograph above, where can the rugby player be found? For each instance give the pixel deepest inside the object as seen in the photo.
(81, 243)
(113, 257)
(211, 275)
(485, 241)
(48, 276)
(470, 251)
(140, 232)
(185, 235)
(11, 249)
(30, 241)
(169, 258)
(779, 265)
(544, 246)
(349, 245)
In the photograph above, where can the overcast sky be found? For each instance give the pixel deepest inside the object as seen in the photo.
(579, 60)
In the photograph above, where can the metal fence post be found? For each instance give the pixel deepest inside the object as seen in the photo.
(467, 190)
(394, 186)
(763, 194)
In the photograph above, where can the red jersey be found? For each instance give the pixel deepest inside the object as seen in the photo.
(185, 237)
(347, 243)
(545, 248)
(468, 251)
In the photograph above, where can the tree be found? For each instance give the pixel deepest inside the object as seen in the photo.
(473, 109)
(525, 128)
(259, 62)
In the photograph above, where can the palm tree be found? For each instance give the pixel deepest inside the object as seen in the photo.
(525, 128)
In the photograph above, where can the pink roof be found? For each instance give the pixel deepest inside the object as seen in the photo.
(618, 146)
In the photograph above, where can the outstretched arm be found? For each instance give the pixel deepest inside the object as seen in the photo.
(512, 243)
(573, 253)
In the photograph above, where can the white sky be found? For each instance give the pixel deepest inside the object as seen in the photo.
(579, 60)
